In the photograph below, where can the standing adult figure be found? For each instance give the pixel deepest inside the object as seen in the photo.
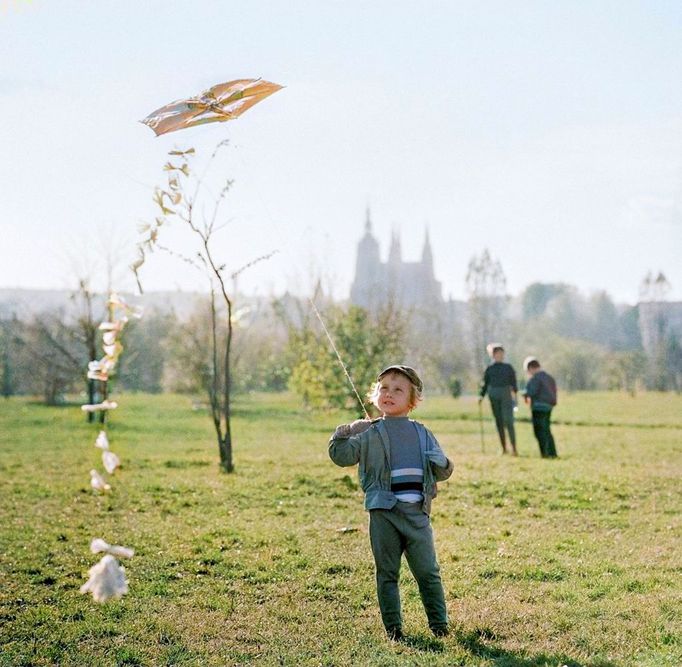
(499, 382)
(541, 392)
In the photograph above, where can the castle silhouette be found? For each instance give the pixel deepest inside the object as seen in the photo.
(410, 285)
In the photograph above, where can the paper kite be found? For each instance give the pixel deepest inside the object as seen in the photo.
(225, 101)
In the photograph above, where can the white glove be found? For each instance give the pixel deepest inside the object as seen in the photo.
(437, 458)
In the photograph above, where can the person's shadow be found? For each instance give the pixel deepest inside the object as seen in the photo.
(478, 644)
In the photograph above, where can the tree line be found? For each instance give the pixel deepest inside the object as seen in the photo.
(589, 342)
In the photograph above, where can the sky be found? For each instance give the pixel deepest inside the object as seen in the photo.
(548, 132)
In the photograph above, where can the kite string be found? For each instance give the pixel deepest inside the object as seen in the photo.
(278, 233)
(338, 356)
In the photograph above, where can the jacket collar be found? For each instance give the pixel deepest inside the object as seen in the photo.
(384, 438)
(422, 437)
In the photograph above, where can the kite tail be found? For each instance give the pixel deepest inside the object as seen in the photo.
(338, 356)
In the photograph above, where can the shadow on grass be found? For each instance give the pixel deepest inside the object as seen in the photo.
(478, 643)
(473, 417)
(423, 643)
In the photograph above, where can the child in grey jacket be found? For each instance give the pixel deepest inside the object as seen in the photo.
(400, 462)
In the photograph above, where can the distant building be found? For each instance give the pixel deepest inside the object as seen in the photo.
(659, 320)
(410, 285)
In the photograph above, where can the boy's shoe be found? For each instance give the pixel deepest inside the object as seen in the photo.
(395, 633)
(440, 630)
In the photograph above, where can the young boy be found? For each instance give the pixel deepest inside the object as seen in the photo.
(499, 381)
(542, 394)
(400, 462)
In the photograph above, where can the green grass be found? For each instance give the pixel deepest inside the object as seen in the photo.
(568, 562)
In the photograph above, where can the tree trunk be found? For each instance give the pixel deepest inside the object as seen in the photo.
(91, 399)
(52, 387)
(225, 437)
(7, 388)
(225, 445)
(226, 448)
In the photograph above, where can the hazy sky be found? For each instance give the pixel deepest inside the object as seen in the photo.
(549, 132)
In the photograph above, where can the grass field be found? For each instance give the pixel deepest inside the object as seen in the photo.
(569, 562)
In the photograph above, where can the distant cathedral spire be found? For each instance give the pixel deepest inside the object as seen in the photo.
(406, 283)
(427, 254)
(367, 266)
(394, 253)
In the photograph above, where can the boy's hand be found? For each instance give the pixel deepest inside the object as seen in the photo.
(359, 426)
(437, 458)
(342, 431)
(355, 428)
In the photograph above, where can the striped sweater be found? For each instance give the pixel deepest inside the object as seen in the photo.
(407, 473)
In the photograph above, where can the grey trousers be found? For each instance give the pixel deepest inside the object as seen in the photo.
(503, 411)
(406, 528)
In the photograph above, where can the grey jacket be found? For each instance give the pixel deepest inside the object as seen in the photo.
(371, 449)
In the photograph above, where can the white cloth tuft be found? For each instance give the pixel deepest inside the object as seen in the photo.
(98, 545)
(107, 580)
(104, 405)
(97, 482)
(102, 441)
(110, 461)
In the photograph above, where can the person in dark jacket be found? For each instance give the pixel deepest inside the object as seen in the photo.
(499, 382)
(541, 393)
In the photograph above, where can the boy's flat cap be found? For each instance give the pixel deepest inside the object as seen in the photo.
(407, 371)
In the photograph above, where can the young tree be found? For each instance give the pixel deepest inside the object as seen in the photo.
(624, 370)
(52, 358)
(657, 338)
(537, 296)
(188, 367)
(566, 315)
(673, 351)
(141, 368)
(604, 321)
(487, 289)
(366, 342)
(654, 287)
(577, 364)
(183, 199)
(7, 384)
(85, 332)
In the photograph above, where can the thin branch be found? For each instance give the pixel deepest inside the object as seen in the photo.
(218, 201)
(53, 341)
(180, 256)
(262, 258)
(200, 180)
(220, 228)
